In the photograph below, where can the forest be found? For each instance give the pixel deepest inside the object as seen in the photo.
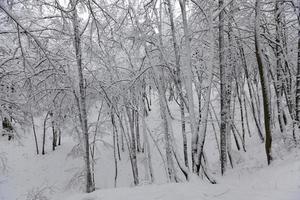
(149, 99)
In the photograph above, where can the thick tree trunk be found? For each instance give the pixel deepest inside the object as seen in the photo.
(298, 73)
(225, 97)
(90, 185)
(263, 81)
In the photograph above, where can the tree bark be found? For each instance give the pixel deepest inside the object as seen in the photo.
(44, 133)
(130, 115)
(225, 103)
(90, 185)
(298, 73)
(263, 81)
(188, 77)
(178, 82)
(34, 134)
(279, 67)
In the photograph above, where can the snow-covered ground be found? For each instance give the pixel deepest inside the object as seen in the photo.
(56, 175)
(280, 181)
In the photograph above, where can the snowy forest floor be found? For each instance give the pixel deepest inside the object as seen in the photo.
(57, 175)
(36, 176)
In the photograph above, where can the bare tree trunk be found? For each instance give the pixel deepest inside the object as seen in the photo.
(246, 114)
(298, 73)
(149, 167)
(114, 146)
(44, 133)
(130, 115)
(225, 107)
(137, 131)
(34, 134)
(188, 77)
(59, 137)
(263, 81)
(204, 119)
(256, 120)
(54, 133)
(122, 143)
(179, 84)
(228, 73)
(118, 144)
(279, 68)
(128, 144)
(241, 111)
(164, 113)
(90, 185)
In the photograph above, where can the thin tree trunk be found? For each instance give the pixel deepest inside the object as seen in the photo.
(44, 133)
(54, 133)
(164, 113)
(114, 146)
(204, 118)
(279, 68)
(118, 145)
(188, 77)
(59, 136)
(130, 115)
(179, 84)
(256, 120)
(246, 113)
(241, 112)
(128, 144)
(34, 134)
(147, 151)
(137, 131)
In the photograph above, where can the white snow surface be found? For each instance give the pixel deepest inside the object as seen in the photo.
(280, 181)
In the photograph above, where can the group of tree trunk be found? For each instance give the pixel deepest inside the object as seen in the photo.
(127, 53)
